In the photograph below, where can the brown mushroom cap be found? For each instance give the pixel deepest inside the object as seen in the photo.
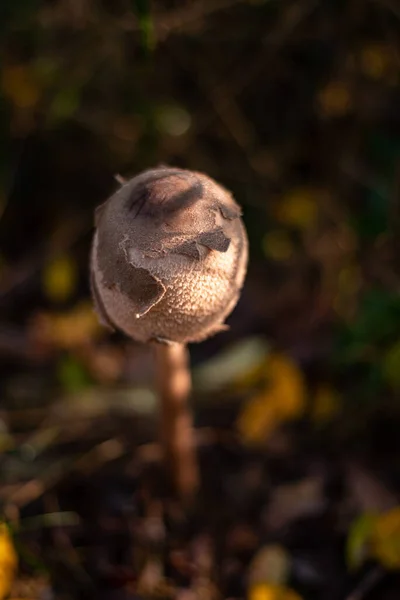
(169, 256)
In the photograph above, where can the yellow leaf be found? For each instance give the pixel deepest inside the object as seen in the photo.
(268, 591)
(60, 278)
(8, 561)
(385, 539)
(20, 86)
(282, 398)
(299, 207)
(278, 245)
(334, 99)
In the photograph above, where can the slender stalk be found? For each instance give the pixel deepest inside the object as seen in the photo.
(177, 434)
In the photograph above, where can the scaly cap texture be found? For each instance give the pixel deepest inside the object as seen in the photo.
(169, 256)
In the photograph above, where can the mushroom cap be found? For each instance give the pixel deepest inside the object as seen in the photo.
(169, 256)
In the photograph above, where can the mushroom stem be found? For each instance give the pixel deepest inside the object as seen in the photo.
(177, 434)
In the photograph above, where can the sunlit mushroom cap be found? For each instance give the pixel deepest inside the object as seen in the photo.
(169, 256)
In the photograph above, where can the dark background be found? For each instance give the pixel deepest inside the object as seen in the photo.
(294, 107)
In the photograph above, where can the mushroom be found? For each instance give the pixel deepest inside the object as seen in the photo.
(168, 261)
